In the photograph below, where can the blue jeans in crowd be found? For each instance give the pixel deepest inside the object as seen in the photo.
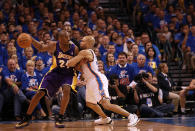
(158, 111)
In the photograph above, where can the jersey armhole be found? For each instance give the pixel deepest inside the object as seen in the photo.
(92, 54)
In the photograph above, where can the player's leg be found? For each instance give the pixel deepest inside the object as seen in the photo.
(64, 104)
(96, 108)
(33, 103)
(103, 118)
(133, 119)
(114, 108)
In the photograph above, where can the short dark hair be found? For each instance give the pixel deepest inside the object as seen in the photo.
(122, 53)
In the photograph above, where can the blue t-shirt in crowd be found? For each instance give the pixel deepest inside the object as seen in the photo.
(14, 76)
(119, 48)
(107, 69)
(30, 81)
(125, 73)
(47, 59)
(179, 36)
(156, 50)
(102, 50)
(138, 69)
(42, 72)
(191, 42)
(153, 63)
(103, 57)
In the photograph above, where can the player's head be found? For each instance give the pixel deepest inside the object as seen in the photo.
(63, 37)
(87, 42)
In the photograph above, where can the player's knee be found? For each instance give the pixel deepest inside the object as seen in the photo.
(66, 88)
(106, 106)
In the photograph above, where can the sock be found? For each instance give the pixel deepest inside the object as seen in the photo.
(183, 109)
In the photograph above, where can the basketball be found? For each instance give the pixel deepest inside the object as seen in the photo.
(24, 40)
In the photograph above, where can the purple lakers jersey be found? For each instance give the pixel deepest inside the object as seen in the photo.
(60, 58)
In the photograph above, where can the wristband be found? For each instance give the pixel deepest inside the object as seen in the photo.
(13, 85)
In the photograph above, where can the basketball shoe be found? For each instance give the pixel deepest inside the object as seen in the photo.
(133, 119)
(59, 121)
(102, 121)
(24, 122)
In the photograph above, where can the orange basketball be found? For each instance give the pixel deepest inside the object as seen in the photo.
(24, 40)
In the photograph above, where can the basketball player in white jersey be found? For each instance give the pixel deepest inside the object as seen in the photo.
(97, 84)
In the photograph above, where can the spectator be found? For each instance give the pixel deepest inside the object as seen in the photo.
(97, 53)
(167, 86)
(1, 95)
(128, 45)
(110, 62)
(187, 91)
(104, 45)
(114, 37)
(46, 56)
(15, 57)
(28, 55)
(101, 66)
(93, 21)
(40, 67)
(130, 57)
(145, 39)
(150, 97)
(76, 36)
(151, 58)
(81, 84)
(119, 46)
(188, 46)
(30, 82)
(123, 70)
(141, 66)
(121, 95)
(139, 43)
(111, 49)
(11, 87)
(135, 51)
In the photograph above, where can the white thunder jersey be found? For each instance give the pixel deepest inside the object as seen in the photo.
(97, 83)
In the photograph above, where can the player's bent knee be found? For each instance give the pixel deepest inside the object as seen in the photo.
(106, 105)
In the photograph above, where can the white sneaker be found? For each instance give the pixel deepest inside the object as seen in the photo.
(133, 120)
(103, 121)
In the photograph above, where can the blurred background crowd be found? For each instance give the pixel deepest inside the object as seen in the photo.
(135, 55)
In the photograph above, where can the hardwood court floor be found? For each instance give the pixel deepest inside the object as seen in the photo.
(119, 125)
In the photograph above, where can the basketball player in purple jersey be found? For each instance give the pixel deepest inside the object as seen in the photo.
(58, 76)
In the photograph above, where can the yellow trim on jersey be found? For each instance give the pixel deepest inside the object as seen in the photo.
(74, 83)
(54, 65)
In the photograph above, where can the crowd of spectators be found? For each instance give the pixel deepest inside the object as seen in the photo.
(162, 30)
